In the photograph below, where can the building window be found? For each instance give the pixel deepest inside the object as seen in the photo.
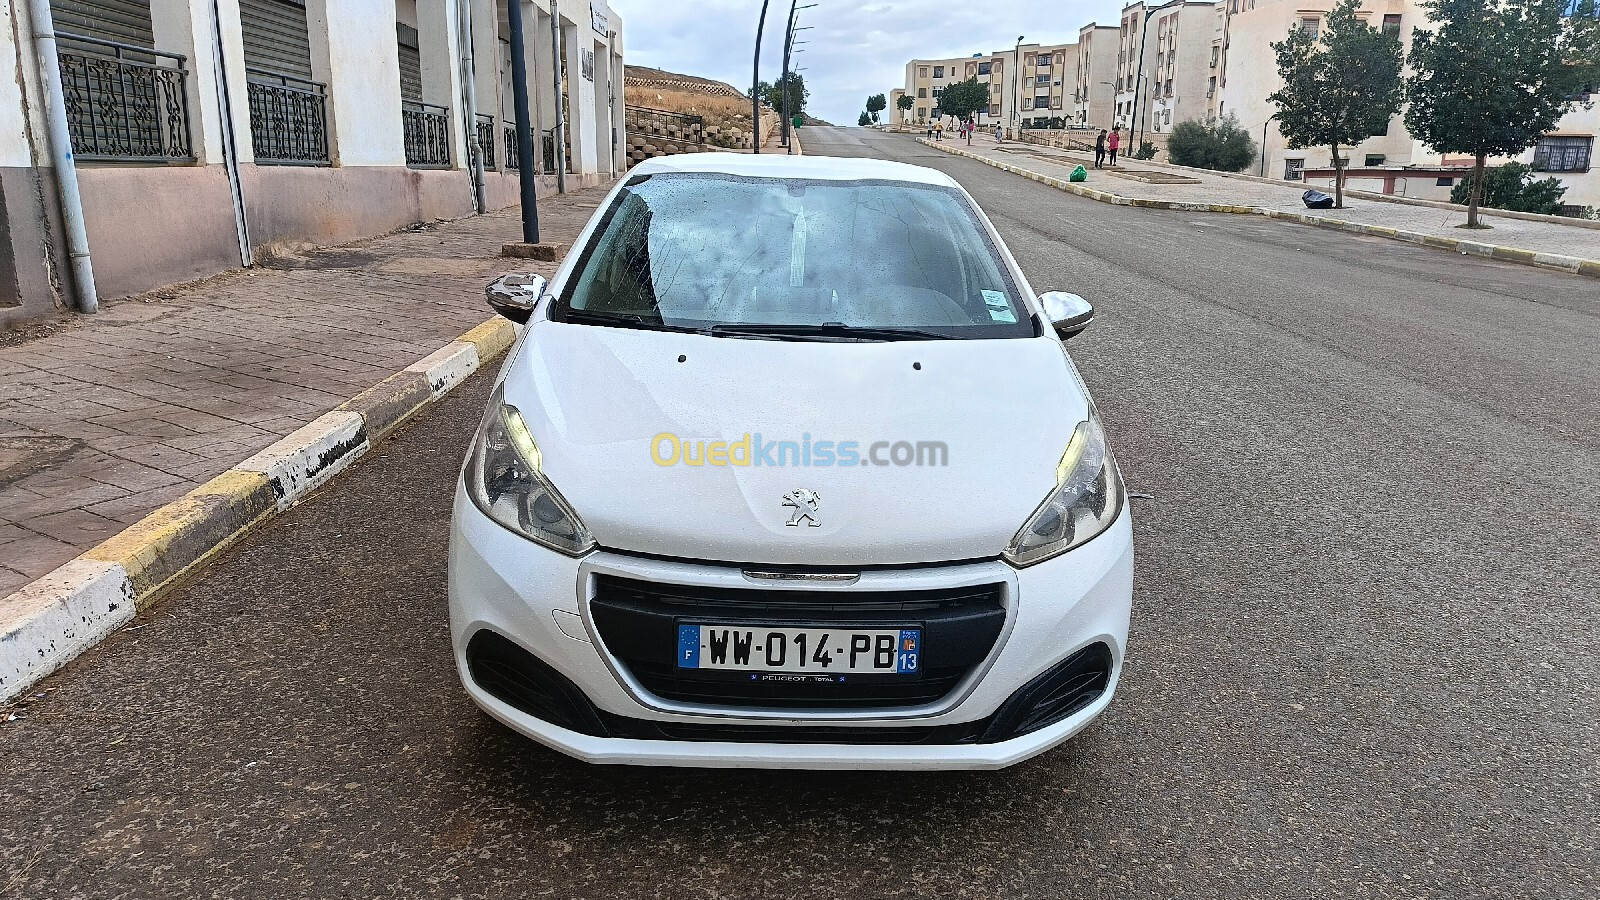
(1216, 53)
(983, 68)
(1562, 154)
(922, 93)
(1373, 159)
(1027, 103)
(922, 72)
(1391, 24)
(1167, 118)
(1294, 170)
(1309, 26)
(994, 109)
(994, 88)
(938, 71)
(1444, 182)
(1211, 85)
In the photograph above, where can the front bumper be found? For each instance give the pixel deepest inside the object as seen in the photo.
(538, 599)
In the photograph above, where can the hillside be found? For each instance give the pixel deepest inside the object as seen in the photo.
(720, 103)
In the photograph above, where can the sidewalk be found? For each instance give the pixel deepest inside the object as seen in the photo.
(1534, 237)
(116, 414)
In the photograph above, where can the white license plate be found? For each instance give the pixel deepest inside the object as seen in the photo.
(818, 651)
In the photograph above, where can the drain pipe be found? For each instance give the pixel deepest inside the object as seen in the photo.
(560, 135)
(59, 137)
(469, 105)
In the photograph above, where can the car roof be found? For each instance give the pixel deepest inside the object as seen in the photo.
(778, 165)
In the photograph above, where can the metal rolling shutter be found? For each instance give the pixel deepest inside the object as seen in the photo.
(410, 62)
(275, 37)
(123, 21)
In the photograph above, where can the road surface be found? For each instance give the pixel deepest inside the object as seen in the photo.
(1363, 660)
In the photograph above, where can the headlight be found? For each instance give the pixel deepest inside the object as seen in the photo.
(1087, 498)
(504, 481)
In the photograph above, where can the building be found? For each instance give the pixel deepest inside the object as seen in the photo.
(1094, 95)
(1042, 90)
(894, 113)
(207, 133)
(1163, 55)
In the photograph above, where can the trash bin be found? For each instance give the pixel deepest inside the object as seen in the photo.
(1078, 174)
(1316, 200)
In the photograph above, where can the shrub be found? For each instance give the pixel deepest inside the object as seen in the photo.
(1220, 145)
(1512, 187)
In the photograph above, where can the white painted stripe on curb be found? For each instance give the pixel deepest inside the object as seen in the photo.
(46, 624)
(447, 366)
(299, 463)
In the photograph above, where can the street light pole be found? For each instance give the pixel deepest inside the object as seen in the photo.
(1264, 143)
(755, 84)
(1138, 85)
(526, 181)
(1016, 79)
(788, 46)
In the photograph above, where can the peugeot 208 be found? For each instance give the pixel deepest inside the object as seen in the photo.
(789, 468)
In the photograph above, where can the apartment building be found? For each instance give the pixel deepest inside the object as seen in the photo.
(1163, 51)
(1094, 94)
(205, 132)
(1026, 82)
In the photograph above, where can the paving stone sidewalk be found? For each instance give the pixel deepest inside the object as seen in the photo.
(1539, 237)
(116, 414)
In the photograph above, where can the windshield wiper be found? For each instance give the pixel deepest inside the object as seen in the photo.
(826, 329)
(618, 320)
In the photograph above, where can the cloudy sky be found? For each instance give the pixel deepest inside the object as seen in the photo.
(857, 47)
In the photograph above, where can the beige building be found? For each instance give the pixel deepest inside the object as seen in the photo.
(1171, 44)
(1094, 95)
(1027, 82)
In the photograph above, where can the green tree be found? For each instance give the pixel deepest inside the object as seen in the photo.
(864, 119)
(1494, 75)
(1512, 186)
(772, 93)
(877, 103)
(905, 103)
(964, 98)
(1220, 145)
(1340, 88)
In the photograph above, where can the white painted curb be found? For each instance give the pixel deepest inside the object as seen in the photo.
(46, 624)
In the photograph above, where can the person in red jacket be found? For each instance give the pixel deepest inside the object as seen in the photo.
(1112, 143)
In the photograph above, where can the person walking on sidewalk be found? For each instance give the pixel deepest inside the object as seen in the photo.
(1112, 143)
(999, 134)
(1100, 148)
(938, 131)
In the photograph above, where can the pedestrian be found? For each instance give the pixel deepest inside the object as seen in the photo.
(1100, 148)
(998, 134)
(938, 131)
(1112, 143)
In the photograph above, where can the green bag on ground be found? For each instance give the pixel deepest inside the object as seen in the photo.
(1078, 174)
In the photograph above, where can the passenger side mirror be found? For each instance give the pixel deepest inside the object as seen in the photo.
(1068, 313)
(515, 295)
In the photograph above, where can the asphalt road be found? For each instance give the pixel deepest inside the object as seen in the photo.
(1363, 659)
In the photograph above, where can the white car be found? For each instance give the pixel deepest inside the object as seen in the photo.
(789, 468)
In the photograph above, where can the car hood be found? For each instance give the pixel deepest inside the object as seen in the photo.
(598, 399)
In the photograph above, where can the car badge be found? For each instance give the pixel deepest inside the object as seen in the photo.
(804, 503)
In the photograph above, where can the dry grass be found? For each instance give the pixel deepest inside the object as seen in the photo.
(719, 111)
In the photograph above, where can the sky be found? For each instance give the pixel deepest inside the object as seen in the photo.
(856, 47)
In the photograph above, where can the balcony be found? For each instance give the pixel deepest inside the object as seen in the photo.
(124, 102)
(513, 162)
(288, 119)
(426, 130)
(486, 131)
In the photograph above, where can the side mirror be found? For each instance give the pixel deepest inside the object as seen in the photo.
(515, 295)
(1068, 313)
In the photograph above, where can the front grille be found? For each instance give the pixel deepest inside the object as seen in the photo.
(638, 622)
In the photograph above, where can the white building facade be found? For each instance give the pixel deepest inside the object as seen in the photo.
(207, 133)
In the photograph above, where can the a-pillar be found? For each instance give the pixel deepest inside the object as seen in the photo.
(353, 51)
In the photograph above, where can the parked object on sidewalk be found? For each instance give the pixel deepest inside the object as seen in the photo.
(1078, 174)
(1316, 200)
(726, 597)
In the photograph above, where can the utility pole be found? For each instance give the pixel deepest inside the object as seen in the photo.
(558, 135)
(755, 84)
(1016, 80)
(527, 181)
(788, 47)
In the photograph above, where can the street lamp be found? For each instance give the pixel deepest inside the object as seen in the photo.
(1016, 80)
(1138, 85)
(788, 46)
(755, 84)
(1264, 143)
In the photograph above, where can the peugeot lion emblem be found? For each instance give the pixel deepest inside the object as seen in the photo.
(804, 503)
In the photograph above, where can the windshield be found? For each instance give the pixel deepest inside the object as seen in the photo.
(709, 251)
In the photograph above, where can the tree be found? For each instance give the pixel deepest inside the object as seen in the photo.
(772, 93)
(876, 104)
(1339, 89)
(904, 104)
(964, 98)
(1220, 145)
(864, 119)
(1511, 186)
(1494, 75)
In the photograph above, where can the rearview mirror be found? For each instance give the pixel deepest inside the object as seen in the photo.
(1068, 313)
(515, 295)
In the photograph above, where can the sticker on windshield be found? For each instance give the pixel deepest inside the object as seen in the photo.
(1003, 315)
(996, 300)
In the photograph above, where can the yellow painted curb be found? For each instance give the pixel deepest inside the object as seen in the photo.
(492, 337)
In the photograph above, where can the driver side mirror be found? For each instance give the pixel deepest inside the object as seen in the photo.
(515, 295)
(1069, 314)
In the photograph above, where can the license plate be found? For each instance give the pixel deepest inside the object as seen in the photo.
(814, 651)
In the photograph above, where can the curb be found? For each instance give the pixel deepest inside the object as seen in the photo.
(46, 624)
(1572, 265)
